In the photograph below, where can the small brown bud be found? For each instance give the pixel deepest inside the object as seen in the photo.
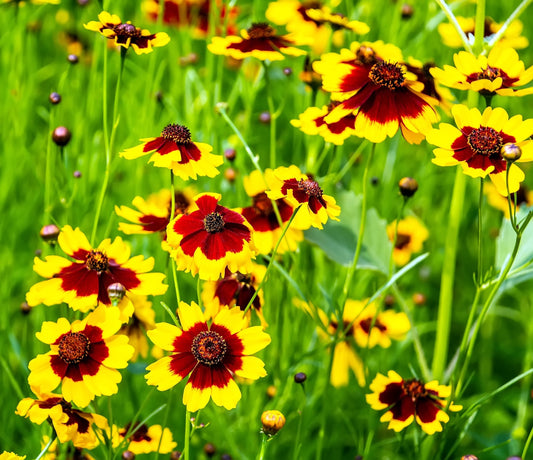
(54, 98)
(273, 421)
(408, 186)
(128, 455)
(210, 449)
(116, 292)
(72, 58)
(76, 174)
(389, 300)
(300, 377)
(225, 457)
(265, 118)
(407, 11)
(25, 309)
(49, 233)
(230, 175)
(176, 455)
(511, 152)
(190, 59)
(230, 154)
(287, 71)
(61, 136)
(419, 299)
(271, 391)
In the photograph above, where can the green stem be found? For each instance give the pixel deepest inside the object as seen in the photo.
(453, 20)
(262, 453)
(325, 407)
(360, 235)
(480, 27)
(273, 116)
(528, 442)
(165, 421)
(480, 234)
(514, 15)
(440, 354)
(187, 439)
(45, 449)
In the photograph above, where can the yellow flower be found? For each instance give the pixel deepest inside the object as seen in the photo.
(411, 235)
(144, 439)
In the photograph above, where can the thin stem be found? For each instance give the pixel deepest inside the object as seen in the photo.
(480, 27)
(273, 116)
(325, 407)
(395, 239)
(451, 17)
(164, 424)
(187, 439)
(45, 449)
(480, 234)
(528, 442)
(360, 235)
(514, 15)
(262, 453)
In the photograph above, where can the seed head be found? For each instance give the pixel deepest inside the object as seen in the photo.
(273, 421)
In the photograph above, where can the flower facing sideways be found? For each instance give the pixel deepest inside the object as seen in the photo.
(210, 355)
(409, 400)
(144, 439)
(126, 34)
(410, 234)
(84, 282)
(84, 356)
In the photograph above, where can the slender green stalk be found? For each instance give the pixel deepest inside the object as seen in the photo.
(395, 239)
(527, 444)
(514, 15)
(262, 453)
(480, 234)
(187, 439)
(479, 32)
(440, 353)
(165, 421)
(453, 20)
(45, 449)
(360, 235)
(273, 116)
(325, 407)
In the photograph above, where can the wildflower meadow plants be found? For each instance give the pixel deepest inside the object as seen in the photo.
(293, 270)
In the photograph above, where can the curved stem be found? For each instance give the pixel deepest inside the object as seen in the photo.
(453, 20)
(514, 15)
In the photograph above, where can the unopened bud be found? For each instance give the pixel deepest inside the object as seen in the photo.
(61, 136)
(271, 391)
(128, 455)
(407, 11)
(54, 98)
(300, 377)
(210, 449)
(25, 308)
(419, 299)
(116, 292)
(230, 154)
(72, 58)
(469, 457)
(511, 152)
(176, 455)
(230, 175)
(408, 186)
(49, 233)
(273, 421)
(265, 118)
(287, 71)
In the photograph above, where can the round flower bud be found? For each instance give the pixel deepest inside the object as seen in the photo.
(61, 136)
(116, 292)
(407, 11)
(230, 154)
(210, 449)
(419, 299)
(300, 377)
(72, 58)
(264, 117)
(408, 186)
(511, 152)
(469, 457)
(273, 421)
(271, 391)
(230, 175)
(176, 455)
(128, 455)
(76, 174)
(25, 308)
(54, 98)
(287, 71)
(225, 457)
(49, 233)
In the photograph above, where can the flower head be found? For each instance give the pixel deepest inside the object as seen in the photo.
(212, 355)
(373, 84)
(272, 421)
(523, 197)
(144, 439)
(153, 214)
(84, 356)
(476, 142)
(409, 400)
(84, 282)
(209, 239)
(175, 150)
(259, 41)
(498, 73)
(302, 190)
(263, 219)
(126, 34)
(410, 235)
(70, 424)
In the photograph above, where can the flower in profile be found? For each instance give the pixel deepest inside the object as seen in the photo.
(142, 320)
(312, 122)
(524, 197)
(212, 355)
(260, 41)
(126, 34)
(476, 143)
(175, 150)
(84, 282)
(301, 190)
(409, 400)
(373, 84)
(411, 234)
(153, 214)
(512, 37)
(209, 239)
(501, 72)
(69, 424)
(235, 289)
(263, 219)
(84, 356)
(144, 439)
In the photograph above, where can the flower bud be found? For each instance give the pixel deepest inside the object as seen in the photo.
(175, 455)
(407, 11)
(116, 292)
(230, 175)
(210, 450)
(230, 154)
(61, 136)
(273, 421)
(25, 308)
(265, 118)
(511, 152)
(128, 455)
(469, 457)
(54, 98)
(271, 391)
(408, 186)
(72, 58)
(419, 299)
(300, 377)
(49, 233)
(76, 174)
(287, 71)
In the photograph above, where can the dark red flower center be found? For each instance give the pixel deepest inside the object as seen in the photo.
(261, 30)
(177, 133)
(305, 7)
(141, 432)
(97, 261)
(485, 141)
(263, 203)
(209, 348)
(387, 74)
(347, 326)
(310, 187)
(74, 347)
(366, 55)
(402, 240)
(181, 203)
(367, 323)
(490, 73)
(213, 223)
(128, 30)
(415, 389)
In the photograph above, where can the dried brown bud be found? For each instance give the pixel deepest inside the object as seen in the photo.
(210, 449)
(407, 11)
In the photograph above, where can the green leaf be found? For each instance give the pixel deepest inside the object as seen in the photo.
(338, 239)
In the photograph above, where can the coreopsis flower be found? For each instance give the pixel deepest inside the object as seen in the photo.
(476, 143)
(69, 424)
(210, 239)
(432, 87)
(175, 150)
(411, 234)
(260, 41)
(501, 72)
(312, 122)
(409, 400)
(84, 356)
(84, 282)
(235, 289)
(126, 34)
(144, 439)
(153, 214)
(512, 36)
(195, 14)
(372, 83)
(263, 219)
(11, 456)
(210, 355)
(301, 190)
(524, 197)
(142, 320)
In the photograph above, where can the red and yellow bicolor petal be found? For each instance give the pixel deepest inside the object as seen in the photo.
(148, 439)
(312, 122)
(345, 359)
(411, 234)
(104, 18)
